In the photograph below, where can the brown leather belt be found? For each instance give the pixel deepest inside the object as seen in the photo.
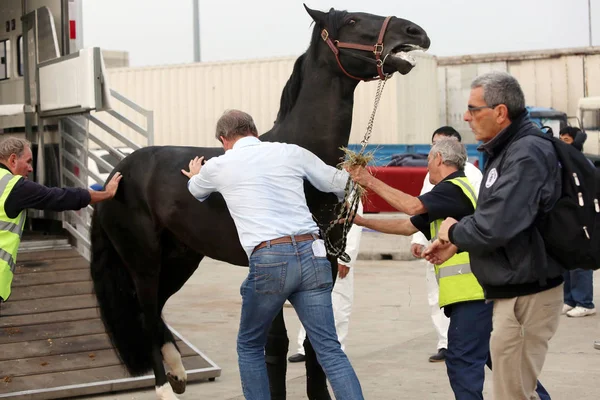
(287, 239)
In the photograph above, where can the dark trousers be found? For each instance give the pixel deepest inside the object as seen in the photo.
(579, 288)
(469, 349)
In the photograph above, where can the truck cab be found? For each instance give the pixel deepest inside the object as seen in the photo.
(588, 115)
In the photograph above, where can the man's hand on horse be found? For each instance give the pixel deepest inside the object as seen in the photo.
(360, 175)
(343, 270)
(113, 184)
(195, 167)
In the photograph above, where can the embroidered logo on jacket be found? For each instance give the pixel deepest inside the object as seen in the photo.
(491, 178)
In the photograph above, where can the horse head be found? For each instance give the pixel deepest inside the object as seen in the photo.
(363, 46)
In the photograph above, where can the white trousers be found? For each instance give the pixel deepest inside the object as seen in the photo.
(342, 298)
(440, 321)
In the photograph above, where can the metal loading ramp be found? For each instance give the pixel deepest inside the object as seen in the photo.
(52, 341)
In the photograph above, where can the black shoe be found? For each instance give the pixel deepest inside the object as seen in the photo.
(297, 358)
(439, 357)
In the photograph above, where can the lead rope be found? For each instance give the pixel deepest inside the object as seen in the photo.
(352, 192)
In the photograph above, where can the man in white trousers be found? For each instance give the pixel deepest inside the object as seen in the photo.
(419, 243)
(342, 295)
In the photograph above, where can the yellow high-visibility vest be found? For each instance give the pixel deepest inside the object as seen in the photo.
(456, 281)
(11, 230)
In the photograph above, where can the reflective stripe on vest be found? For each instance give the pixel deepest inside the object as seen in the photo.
(466, 186)
(12, 227)
(11, 230)
(4, 181)
(455, 278)
(452, 270)
(9, 260)
(7, 225)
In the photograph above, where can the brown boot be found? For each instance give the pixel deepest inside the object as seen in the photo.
(439, 356)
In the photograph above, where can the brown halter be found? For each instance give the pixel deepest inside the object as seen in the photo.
(377, 49)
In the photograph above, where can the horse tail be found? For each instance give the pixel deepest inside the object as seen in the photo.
(118, 302)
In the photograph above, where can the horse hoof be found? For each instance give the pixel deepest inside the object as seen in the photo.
(177, 385)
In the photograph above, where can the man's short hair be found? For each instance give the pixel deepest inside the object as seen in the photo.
(452, 151)
(13, 145)
(447, 131)
(501, 88)
(235, 123)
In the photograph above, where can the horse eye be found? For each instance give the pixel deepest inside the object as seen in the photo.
(351, 22)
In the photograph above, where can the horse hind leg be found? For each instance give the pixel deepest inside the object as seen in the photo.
(165, 392)
(178, 264)
(177, 375)
(155, 329)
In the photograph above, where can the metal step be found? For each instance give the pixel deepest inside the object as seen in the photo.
(51, 243)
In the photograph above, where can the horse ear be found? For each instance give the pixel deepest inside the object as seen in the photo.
(318, 16)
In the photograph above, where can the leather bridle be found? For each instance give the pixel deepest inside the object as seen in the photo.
(336, 46)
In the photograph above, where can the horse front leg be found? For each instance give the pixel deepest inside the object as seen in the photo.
(147, 289)
(276, 357)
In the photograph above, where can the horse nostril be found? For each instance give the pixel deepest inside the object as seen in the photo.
(414, 30)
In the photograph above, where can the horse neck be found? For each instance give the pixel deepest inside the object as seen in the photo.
(322, 116)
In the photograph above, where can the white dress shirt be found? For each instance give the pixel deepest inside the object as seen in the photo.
(263, 186)
(474, 176)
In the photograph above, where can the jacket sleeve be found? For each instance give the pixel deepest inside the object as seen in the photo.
(527, 179)
(353, 240)
(29, 194)
(202, 184)
(419, 238)
(324, 177)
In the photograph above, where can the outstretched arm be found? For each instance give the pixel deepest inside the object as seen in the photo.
(27, 194)
(395, 226)
(399, 200)
(322, 176)
(109, 191)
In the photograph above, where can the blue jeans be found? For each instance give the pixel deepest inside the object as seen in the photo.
(290, 271)
(469, 349)
(579, 288)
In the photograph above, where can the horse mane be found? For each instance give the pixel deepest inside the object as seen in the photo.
(291, 90)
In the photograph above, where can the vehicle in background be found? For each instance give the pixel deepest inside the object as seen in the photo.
(548, 117)
(588, 116)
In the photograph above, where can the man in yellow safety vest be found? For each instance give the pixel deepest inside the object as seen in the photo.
(17, 194)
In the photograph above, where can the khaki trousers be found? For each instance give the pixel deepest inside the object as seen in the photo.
(522, 328)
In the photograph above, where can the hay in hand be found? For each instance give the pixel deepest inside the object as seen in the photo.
(354, 159)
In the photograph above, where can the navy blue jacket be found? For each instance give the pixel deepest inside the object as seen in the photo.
(27, 194)
(520, 181)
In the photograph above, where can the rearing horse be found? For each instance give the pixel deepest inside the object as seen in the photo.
(149, 239)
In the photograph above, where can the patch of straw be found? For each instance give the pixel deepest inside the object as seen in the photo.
(354, 159)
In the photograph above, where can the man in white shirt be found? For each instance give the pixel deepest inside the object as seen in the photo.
(419, 243)
(263, 186)
(343, 291)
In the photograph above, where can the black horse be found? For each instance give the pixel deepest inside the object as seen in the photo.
(149, 239)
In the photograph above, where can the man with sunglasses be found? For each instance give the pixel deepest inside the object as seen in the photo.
(508, 256)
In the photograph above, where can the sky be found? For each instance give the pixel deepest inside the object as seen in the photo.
(157, 32)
